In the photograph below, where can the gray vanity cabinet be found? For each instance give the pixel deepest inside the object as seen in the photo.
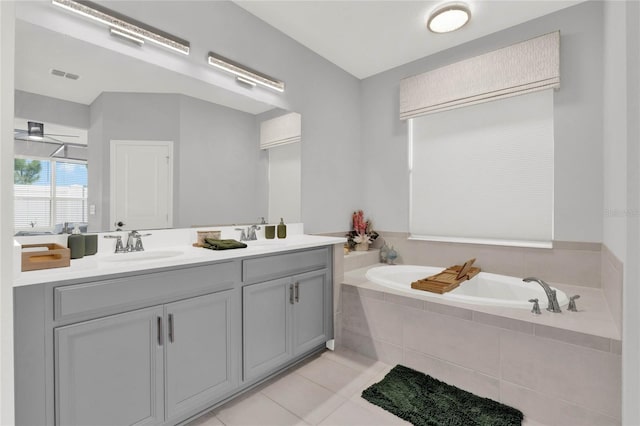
(266, 326)
(159, 347)
(109, 371)
(198, 351)
(282, 319)
(311, 311)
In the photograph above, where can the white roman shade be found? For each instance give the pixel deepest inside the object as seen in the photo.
(524, 67)
(281, 130)
(484, 174)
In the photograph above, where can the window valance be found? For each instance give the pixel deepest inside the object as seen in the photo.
(524, 67)
(281, 130)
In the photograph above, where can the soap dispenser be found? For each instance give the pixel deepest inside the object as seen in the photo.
(282, 229)
(75, 242)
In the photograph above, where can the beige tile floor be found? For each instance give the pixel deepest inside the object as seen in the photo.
(324, 390)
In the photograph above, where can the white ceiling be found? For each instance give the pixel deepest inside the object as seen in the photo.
(367, 37)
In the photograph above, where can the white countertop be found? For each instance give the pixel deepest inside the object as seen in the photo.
(107, 263)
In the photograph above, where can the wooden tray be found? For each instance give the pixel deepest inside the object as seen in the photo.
(206, 234)
(448, 279)
(56, 256)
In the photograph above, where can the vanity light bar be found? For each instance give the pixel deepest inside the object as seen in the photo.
(246, 74)
(245, 81)
(124, 24)
(117, 33)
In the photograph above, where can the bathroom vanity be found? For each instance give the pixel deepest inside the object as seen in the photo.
(157, 344)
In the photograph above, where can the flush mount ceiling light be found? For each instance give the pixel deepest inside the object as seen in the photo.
(124, 24)
(247, 75)
(448, 17)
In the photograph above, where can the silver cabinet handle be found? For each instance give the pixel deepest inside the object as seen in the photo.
(159, 331)
(297, 287)
(291, 293)
(171, 335)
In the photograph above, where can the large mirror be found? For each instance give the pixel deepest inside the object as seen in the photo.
(162, 149)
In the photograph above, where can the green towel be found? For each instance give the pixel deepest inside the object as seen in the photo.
(213, 244)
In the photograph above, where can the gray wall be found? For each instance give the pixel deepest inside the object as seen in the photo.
(578, 124)
(621, 158)
(219, 172)
(126, 116)
(223, 173)
(44, 108)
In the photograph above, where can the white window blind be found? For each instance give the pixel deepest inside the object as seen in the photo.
(57, 193)
(284, 183)
(485, 172)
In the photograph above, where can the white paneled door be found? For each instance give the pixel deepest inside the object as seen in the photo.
(141, 184)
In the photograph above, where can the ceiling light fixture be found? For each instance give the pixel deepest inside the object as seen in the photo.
(125, 24)
(247, 74)
(121, 34)
(449, 17)
(245, 81)
(35, 130)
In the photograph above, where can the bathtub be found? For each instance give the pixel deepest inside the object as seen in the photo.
(483, 289)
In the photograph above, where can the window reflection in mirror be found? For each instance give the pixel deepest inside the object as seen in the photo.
(49, 194)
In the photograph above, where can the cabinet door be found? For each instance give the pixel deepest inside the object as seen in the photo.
(266, 311)
(198, 351)
(109, 371)
(311, 311)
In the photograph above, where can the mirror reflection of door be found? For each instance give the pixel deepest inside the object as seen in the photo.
(282, 137)
(141, 184)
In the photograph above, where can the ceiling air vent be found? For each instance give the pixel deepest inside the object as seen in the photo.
(60, 73)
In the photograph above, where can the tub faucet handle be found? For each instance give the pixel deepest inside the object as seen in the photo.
(572, 303)
(536, 307)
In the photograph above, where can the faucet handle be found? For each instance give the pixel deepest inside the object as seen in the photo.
(119, 247)
(243, 234)
(536, 307)
(572, 303)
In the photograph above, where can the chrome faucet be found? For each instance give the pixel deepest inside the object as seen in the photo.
(251, 232)
(119, 247)
(553, 305)
(134, 241)
(243, 234)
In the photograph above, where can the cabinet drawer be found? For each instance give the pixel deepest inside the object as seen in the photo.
(109, 296)
(282, 265)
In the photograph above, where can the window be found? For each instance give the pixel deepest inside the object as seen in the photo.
(484, 173)
(48, 193)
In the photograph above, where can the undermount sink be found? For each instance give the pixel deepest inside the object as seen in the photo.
(140, 256)
(265, 243)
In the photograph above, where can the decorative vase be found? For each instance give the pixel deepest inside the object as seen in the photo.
(362, 247)
(392, 255)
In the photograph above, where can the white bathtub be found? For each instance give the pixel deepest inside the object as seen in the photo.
(483, 289)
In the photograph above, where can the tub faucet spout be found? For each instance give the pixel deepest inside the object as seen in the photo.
(553, 305)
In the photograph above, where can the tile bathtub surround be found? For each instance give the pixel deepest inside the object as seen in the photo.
(573, 263)
(553, 370)
(612, 278)
(593, 326)
(360, 259)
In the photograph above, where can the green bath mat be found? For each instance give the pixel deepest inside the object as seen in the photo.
(423, 400)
